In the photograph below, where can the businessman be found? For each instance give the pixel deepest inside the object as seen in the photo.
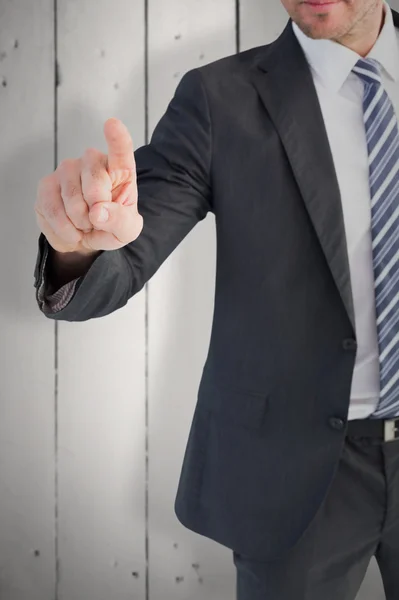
(292, 460)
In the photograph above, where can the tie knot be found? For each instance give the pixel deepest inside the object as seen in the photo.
(369, 70)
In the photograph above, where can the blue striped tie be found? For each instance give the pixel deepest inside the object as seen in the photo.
(382, 135)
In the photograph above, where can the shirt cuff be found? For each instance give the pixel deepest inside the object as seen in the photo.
(51, 301)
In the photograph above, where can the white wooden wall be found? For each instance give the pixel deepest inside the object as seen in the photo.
(94, 416)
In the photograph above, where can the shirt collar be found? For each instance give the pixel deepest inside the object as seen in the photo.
(333, 62)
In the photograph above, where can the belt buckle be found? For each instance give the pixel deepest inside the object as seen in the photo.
(391, 430)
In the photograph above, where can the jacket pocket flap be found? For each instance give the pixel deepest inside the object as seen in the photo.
(246, 408)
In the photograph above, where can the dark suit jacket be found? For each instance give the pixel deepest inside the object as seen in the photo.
(244, 138)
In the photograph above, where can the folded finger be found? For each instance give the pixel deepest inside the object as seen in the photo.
(51, 210)
(96, 182)
(71, 192)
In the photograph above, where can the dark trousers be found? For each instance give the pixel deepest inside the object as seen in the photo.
(358, 520)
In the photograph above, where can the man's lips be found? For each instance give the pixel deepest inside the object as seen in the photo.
(321, 4)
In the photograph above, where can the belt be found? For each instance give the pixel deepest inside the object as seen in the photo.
(386, 430)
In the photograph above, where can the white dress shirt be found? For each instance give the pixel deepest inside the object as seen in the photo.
(340, 94)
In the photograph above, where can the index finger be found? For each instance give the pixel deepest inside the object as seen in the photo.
(120, 146)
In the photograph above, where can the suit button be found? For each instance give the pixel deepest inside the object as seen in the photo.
(336, 423)
(349, 344)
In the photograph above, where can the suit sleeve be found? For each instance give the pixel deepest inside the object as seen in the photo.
(174, 194)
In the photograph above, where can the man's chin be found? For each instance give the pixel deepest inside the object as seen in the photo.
(319, 31)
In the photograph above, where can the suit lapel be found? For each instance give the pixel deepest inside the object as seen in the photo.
(284, 82)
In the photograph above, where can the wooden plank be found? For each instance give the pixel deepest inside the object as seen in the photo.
(27, 338)
(101, 362)
(183, 34)
(259, 23)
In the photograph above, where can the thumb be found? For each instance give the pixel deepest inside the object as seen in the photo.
(124, 222)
